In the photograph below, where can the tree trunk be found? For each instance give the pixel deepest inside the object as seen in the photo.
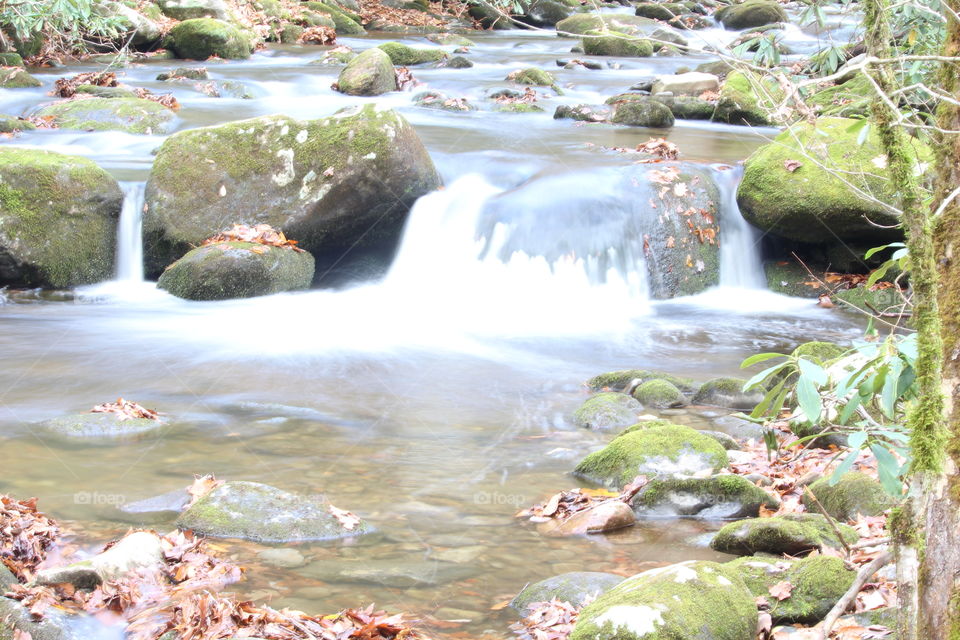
(927, 529)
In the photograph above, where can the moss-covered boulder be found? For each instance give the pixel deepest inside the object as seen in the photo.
(99, 425)
(190, 9)
(811, 203)
(344, 23)
(818, 584)
(665, 11)
(692, 600)
(17, 78)
(456, 62)
(254, 511)
(12, 124)
(790, 534)
(659, 394)
(133, 115)
(613, 43)
(852, 99)
(58, 219)
(369, 74)
(607, 411)
(334, 183)
(854, 493)
(741, 103)
(404, 56)
(729, 393)
(719, 497)
(105, 92)
(643, 113)
(580, 23)
(620, 380)
(532, 76)
(750, 14)
(229, 270)
(200, 38)
(576, 587)
(10, 59)
(661, 449)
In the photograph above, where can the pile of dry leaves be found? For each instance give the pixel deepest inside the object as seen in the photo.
(258, 234)
(529, 96)
(126, 410)
(376, 11)
(318, 35)
(551, 620)
(26, 535)
(405, 79)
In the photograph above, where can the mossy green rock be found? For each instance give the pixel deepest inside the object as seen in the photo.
(17, 78)
(719, 497)
(532, 76)
(58, 219)
(10, 59)
(334, 183)
(789, 534)
(581, 23)
(99, 425)
(404, 56)
(190, 9)
(10, 124)
(855, 493)
(229, 270)
(810, 203)
(695, 600)
(660, 10)
(518, 107)
(254, 511)
(546, 13)
(752, 13)
(819, 351)
(659, 394)
(818, 584)
(201, 38)
(620, 380)
(612, 43)
(661, 449)
(643, 113)
(133, 115)
(848, 100)
(606, 411)
(729, 393)
(344, 24)
(576, 587)
(741, 103)
(369, 74)
(105, 92)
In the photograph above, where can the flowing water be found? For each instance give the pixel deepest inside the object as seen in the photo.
(435, 401)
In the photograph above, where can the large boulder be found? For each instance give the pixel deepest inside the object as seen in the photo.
(227, 270)
(613, 43)
(405, 56)
(606, 411)
(818, 583)
(200, 38)
(191, 9)
(369, 74)
(580, 23)
(750, 14)
(334, 183)
(719, 497)
(577, 587)
(254, 511)
(814, 203)
(695, 600)
(659, 394)
(660, 449)
(58, 219)
(854, 493)
(133, 115)
(546, 13)
(789, 534)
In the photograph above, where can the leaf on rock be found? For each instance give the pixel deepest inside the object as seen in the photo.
(781, 590)
(259, 234)
(202, 485)
(792, 165)
(347, 519)
(126, 410)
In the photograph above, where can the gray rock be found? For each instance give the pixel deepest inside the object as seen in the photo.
(789, 534)
(99, 425)
(137, 552)
(643, 113)
(369, 74)
(721, 497)
(259, 512)
(577, 588)
(729, 393)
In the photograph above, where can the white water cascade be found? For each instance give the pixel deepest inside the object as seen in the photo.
(740, 264)
(130, 234)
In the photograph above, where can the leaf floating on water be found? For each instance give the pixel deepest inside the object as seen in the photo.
(347, 519)
(126, 410)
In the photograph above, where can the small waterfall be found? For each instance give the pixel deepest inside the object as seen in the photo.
(740, 264)
(130, 234)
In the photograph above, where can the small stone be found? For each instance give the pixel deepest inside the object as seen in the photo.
(283, 558)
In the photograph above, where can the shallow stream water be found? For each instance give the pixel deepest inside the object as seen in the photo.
(435, 402)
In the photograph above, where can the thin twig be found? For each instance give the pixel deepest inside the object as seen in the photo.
(833, 524)
(864, 574)
(863, 544)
